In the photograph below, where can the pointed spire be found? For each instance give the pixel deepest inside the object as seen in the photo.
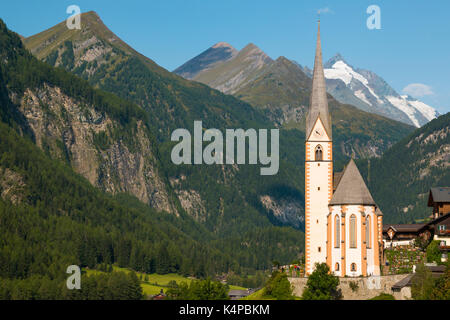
(319, 102)
(352, 189)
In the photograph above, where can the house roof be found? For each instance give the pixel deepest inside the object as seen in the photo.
(405, 282)
(436, 272)
(437, 269)
(239, 293)
(352, 189)
(413, 227)
(318, 107)
(439, 194)
(439, 219)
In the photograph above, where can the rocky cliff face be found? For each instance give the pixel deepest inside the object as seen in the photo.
(436, 158)
(90, 142)
(12, 185)
(286, 211)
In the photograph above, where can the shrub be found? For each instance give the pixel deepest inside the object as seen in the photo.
(322, 285)
(278, 287)
(433, 252)
(354, 286)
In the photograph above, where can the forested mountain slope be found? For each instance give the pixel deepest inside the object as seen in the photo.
(401, 179)
(208, 193)
(52, 217)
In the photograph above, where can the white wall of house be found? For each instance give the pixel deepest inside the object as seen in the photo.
(396, 243)
(442, 238)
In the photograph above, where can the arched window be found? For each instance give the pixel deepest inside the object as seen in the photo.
(352, 231)
(336, 268)
(319, 153)
(353, 267)
(368, 238)
(337, 231)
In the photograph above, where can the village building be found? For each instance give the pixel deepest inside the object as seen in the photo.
(439, 200)
(343, 225)
(395, 235)
(405, 234)
(239, 294)
(398, 235)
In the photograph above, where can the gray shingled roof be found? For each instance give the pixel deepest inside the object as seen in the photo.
(336, 179)
(440, 194)
(412, 227)
(318, 106)
(405, 282)
(352, 188)
(378, 212)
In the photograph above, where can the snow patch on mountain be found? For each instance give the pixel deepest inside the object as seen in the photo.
(360, 94)
(402, 104)
(428, 112)
(342, 71)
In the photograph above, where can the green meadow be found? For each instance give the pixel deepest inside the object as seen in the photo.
(155, 282)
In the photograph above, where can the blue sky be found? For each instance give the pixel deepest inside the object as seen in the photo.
(412, 46)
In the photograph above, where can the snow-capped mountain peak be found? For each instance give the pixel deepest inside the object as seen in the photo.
(342, 71)
(369, 92)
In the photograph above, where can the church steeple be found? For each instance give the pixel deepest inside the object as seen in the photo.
(318, 107)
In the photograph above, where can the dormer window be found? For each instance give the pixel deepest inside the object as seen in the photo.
(319, 153)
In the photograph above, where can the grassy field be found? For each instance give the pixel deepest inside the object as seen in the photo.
(155, 282)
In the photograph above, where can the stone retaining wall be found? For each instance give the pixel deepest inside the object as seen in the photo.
(367, 287)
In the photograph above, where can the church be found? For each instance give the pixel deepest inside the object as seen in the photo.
(343, 225)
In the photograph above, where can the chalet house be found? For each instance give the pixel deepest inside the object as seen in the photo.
(437, 229)
(441, 229)
(404, 234)
(439, 200)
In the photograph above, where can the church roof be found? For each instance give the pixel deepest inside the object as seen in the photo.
(336, 179)
(318, 106)
(352, 188)
(378, 212)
